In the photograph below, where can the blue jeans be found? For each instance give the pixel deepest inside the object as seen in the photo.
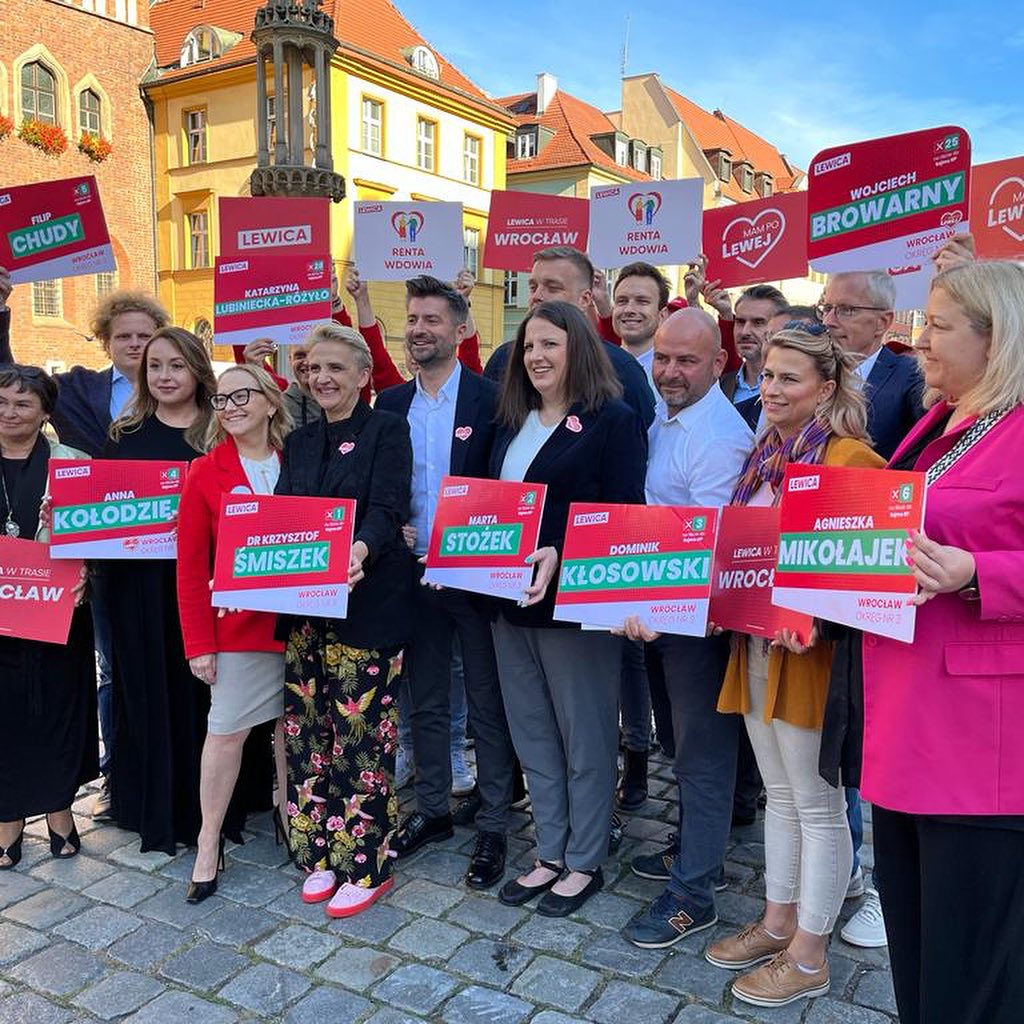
(856, 820)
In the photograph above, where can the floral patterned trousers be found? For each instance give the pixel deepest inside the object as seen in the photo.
(341, 736)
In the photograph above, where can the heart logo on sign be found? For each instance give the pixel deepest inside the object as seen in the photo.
(953, 217)
(464, 433)
(749, 241)
(345, 447)
(573, 424)
(644, 206)
(1013, 211)
(407, 224)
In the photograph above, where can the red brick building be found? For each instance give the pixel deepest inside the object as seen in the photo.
(79, 64)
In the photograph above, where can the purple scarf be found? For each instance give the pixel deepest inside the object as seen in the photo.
(766, 464)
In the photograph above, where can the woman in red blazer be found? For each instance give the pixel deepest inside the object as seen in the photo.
(235, 654)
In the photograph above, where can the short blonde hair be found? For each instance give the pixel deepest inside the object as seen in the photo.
(991, 295)
(116, 303)
(341, 335)
(280, 422)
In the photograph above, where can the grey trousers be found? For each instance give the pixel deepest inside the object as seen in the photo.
(561, 693)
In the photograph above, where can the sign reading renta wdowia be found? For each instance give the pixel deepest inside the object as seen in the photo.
(483, 532)
(653, 561)
(843, 546)
(278, 553)
(115, 508)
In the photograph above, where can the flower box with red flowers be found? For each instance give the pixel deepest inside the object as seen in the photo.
(95, 147)
(6, 127)
(50, 138)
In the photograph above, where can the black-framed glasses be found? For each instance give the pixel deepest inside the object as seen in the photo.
(239, 397)
(843, 311)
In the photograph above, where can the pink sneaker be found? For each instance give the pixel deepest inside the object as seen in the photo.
(319, 886)
(354, 899)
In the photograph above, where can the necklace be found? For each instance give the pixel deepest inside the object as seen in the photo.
(11, 528)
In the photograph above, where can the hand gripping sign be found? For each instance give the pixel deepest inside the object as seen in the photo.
(843, 546)
(648, 560)
(278, 553)
(396, 241)
(36, 592)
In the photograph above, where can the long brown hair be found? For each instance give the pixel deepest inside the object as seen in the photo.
(589, 380)
(143, 404)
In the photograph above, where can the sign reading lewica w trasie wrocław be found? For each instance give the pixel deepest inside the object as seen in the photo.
(115, 508)
(53, 229)
(520, 224)
(843, 546)
(37, 596)
(653, 561)
(280, 553)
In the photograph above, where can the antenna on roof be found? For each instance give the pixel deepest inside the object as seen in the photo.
(625, 49)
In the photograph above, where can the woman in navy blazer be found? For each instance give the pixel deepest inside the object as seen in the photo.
(561, 422)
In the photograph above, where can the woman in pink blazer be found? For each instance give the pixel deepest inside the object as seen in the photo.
(944, 716)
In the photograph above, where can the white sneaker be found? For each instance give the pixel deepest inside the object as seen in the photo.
(856, 887)
(319, 886)
(462, 778)
(867, 927)
(404, 768)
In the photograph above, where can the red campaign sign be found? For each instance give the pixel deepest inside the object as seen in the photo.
(36, 592)
(997, 209)
(653, 561)
(842, 546)
(483, 531)
(522, 223)
(54, 229)
(744, 571)
(115, 508)
(887, 202)
(760, 241)
(278, 553)
(250, 226)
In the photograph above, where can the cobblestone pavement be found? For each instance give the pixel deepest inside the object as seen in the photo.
(107, 935)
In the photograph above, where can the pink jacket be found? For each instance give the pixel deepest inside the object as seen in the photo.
(944, 716)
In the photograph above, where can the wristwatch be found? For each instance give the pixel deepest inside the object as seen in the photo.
(969, 591)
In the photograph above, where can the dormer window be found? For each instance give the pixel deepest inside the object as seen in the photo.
(622, 152)
(424, 62)
(724, 166)
(763, 184)
(526, 144)
(745, 174)
(200, 44)
(639, 156)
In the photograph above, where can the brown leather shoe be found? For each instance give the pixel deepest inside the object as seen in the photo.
(750, 947)
(780, 982)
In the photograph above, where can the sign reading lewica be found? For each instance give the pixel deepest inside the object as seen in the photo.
(483, 531)
(396, 241)
(997, 209)
(655, 221)
(648, 560)
(53, 229)
(287, 554)
(115, 508)
(843, 546)
(520, 224)
(281, 297)
(254, 226)
(36, 592)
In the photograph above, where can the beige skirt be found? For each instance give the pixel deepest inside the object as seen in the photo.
(249, 690)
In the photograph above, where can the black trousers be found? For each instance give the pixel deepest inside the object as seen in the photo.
(953, 899)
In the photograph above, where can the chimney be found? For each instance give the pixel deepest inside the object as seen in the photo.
(547, 86)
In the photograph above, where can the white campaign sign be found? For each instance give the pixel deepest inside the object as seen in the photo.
(396, 241)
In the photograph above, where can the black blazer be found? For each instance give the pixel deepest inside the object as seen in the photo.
(894, 392)
(750, 410)
(605, 461)
(474, 410)
(376, 472)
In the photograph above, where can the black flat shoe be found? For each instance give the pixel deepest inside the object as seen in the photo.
(487, 864)
(13, 852)
(417, 830)
(553, 905)
(58, 842)
(199, 891)
(514, 894)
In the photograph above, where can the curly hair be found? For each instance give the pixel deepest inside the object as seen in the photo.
(116, 303)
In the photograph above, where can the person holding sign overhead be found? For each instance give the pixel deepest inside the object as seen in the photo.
(48, 739)
(235, 654)
(341, 675)
(815, 414)
(561, 422)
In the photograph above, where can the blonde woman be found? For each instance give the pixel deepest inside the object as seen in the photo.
(236, 655)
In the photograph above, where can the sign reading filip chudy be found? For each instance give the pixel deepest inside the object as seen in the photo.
(843, 546)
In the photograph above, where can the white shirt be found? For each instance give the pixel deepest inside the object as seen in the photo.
(262, 474)
(525, 446)
(695, 457)
(866, 365)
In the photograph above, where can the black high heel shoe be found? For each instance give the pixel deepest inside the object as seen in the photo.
(199, 891)
(58, 842)
(13, 852)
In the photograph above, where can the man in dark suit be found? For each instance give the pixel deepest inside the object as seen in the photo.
(564, 274)
(857, 308)
(451, 414)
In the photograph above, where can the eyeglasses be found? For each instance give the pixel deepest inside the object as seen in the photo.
(844, 312)
(238, 397)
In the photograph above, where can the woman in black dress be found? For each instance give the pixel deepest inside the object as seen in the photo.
(48, 736)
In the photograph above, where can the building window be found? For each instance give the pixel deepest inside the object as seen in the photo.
(655, 166)
(38, 93)
(372, 133)
(200, 44)
(471, 160)
(511, 288)
(639, 158)
(47, 298)
(724, 167)
(199, 240)
(622, 152)
(426, 144)
(271, 122)
(89, 112)
(746, 178)
(195, 136)
(526, 145)
(106, 282)
(471, 250)
(763, 184)
(425, 62)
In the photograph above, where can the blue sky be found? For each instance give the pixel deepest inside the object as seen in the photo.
(808, 78)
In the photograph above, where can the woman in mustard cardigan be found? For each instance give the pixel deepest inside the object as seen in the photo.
(815, 413)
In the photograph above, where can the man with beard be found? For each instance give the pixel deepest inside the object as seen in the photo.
(755, 310)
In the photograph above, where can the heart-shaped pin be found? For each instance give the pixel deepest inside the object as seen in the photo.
(573, 423)
(644, 206)
(749, 240)
(345, 447)
(1014, 209)
(407, 224)
(463, 433)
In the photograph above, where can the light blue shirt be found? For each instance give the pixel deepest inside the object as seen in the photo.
(743, 389)
(121, 389)
(432, 426)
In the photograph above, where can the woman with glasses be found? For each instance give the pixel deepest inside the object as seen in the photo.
(235, 654)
